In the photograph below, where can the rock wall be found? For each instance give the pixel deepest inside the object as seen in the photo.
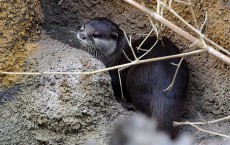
(19, 25)
(32, 110)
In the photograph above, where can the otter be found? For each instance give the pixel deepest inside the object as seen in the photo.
(144, 84)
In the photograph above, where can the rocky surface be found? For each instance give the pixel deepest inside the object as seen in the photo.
(19, 25)
(49, 109)
(59, 109)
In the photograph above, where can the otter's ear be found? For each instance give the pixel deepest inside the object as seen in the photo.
(114, 35)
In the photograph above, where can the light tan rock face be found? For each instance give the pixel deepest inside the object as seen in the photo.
(19, 25)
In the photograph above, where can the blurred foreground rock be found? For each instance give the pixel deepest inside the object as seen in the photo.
(140, 130)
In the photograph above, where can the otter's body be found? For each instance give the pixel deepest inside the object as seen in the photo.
(142, 84)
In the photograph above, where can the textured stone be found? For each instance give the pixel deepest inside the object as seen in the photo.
(19, 25)
(64, 109)
(208, 91)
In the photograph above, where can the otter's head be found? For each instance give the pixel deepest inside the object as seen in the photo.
(100, 37)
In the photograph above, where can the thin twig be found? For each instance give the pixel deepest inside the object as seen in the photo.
(129, 43)
(162, 9)
(193, 15)
(170, 3)
(59, 2)
(157, 35)
(205, 19)
(186, 3)
(174, 78)
(210, 132)
(109, 68)
(156, 26)
(201, 28)
(191, 10)
(153, 29)
(200, 123)
(194, 43)
(119, 75)
(151, 21)
(162, 15)
(149, 49)
(158, 6)
(147, 36)
(126, 56)
(201, 117)
(142, 34)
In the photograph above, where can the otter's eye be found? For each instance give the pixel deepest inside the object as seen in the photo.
(114, 35)
(96, 35)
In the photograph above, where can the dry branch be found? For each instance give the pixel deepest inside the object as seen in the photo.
(181, 32)
(174, 78)
(210, 132)
(207, 131)
(59, 2)
(109, 68)
(201, 123)
(194, 124)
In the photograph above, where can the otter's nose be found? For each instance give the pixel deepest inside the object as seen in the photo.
(82, 36)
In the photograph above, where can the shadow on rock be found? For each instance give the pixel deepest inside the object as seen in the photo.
(9, 94)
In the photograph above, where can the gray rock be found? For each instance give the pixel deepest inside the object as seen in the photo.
(64, 109)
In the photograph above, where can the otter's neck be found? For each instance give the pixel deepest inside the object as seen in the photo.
(117, 57)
